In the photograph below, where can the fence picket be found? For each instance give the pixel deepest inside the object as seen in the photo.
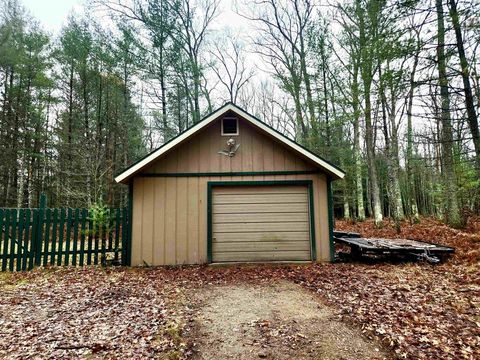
(53, 246)
(104, 243)
(76, 216)
(95, 254)
(124, 235)
(38, 229)
(7, 239)
(90, 245)
(60, 236)
(31, 219)
(67, 235)
(110, 237)
(46, 238)
(13, 238)
(4, 241)
(19, 239)
(117, 233)
(84, 216)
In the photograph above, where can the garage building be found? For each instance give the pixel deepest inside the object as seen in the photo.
(230, 189)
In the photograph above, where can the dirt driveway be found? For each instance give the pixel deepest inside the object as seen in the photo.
(279, 320)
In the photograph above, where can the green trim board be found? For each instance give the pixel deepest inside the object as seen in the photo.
(212, 184)
(330, 218)
(209, 221)
(238, 173)
(312, 219)
(127, 243)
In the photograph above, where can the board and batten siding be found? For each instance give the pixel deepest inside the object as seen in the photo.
(169, 224)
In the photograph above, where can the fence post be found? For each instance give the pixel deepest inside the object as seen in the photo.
(127, 229)
(38, 230)
(130, 219)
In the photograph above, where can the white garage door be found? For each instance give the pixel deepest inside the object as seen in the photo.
(260, 223)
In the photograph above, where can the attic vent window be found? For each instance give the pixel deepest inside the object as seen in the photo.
(229, 126)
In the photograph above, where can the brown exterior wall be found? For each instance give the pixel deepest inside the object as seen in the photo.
(170, 213)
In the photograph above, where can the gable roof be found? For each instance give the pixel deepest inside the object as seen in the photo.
(325, 165)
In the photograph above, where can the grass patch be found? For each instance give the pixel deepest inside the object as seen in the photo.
(9, 282)
(174, 333)
(4, 278)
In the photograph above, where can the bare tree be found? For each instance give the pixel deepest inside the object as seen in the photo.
(281, 40)
(230, 67)
(194, 19)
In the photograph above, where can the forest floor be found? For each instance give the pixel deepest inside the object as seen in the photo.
(404, 310)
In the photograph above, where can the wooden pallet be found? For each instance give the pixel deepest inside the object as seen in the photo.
(377, 246)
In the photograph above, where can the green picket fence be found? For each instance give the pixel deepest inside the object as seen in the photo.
(57, 237)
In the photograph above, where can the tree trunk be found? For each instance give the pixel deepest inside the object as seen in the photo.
(356, 145)
(469, 102)
(452, 213)
(163, 89)
(70, 115)
(392, 206)
(391, 148)
(372, 166)
(310, 104)
(346, 205)
(325, 97)
(411, 194)
(366, 71)
(196, 92)
(298, 112)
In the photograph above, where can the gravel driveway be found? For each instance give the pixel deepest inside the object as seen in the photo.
(280, 320)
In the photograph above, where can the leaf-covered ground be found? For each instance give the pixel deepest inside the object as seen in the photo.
(416, 310)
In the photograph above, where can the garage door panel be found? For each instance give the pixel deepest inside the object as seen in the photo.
(247, 256)
(257, 208)
(261, 236)
(260, 217)
(268, 246)
(259, 190)
(260, 199)
(256, 227)
(260, 223)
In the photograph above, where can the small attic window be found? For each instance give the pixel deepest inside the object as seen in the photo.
(229, 126)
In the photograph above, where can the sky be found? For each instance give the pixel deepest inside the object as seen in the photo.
(52, 13)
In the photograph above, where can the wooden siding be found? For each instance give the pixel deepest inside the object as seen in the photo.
(257, 152)
(276, 232)
(170, 213)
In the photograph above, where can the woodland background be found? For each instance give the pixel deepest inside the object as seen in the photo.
(388, 90)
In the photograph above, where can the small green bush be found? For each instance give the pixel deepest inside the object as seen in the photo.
(102, 220)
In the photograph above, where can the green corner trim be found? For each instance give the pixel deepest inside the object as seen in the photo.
(212, 184)
(209, 222)
(330, 218)
(128, 251)
(312, 220)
